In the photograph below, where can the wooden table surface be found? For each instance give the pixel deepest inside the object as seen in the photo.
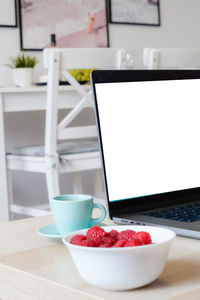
(34, 267)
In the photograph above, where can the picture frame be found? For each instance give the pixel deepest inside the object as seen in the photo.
(135, 12)
(78, 24)
(8, 13)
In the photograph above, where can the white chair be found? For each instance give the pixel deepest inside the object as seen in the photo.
(74, 155)
(171, 58)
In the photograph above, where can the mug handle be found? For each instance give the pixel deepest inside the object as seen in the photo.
(103, 211)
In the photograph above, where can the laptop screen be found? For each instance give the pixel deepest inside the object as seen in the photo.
(150, 136)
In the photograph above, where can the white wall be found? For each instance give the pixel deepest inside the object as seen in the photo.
(180, 25)
(10, 47)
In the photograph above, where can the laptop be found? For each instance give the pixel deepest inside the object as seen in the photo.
(149, 135)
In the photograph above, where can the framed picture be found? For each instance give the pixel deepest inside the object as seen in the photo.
(138, 12)
(63, 23)
(8, 13)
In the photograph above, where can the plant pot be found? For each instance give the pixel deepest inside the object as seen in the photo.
(23, 77)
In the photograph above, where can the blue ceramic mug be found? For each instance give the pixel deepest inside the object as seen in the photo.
(74, 212)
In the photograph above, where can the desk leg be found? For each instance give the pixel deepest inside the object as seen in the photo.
(4, 212)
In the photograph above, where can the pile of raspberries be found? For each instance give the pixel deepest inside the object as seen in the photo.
(97, 237)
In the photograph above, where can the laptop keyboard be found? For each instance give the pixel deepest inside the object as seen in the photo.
(187, 213)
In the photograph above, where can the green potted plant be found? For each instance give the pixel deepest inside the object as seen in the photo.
(22, 66)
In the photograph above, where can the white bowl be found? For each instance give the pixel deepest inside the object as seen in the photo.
(122, 268)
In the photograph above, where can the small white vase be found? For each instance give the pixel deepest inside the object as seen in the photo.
(23, 77)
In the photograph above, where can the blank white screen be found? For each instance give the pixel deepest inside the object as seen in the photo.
(151, 136)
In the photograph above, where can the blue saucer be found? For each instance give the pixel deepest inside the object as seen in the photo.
(50, 231)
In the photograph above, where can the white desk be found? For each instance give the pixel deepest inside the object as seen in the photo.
(33, 267)
(14, 99)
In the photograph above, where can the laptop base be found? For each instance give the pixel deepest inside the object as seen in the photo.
(190, 230)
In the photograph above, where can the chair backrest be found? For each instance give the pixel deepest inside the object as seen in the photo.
(171, 58)
(59, 61)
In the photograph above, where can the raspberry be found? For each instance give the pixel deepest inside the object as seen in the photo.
(87, 243)
(98, 241)
(144, 237)
(113, 234)
(97, 237)
(108, 241)
(133, 243)
(95, 232)
(75, 240)
(126, 235)
(120, 243)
